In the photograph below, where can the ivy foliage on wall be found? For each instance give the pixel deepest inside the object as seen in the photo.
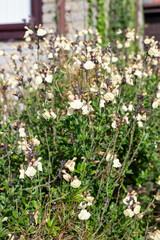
(101, 18)
(97, 16)
(121, 15)
(90, 13)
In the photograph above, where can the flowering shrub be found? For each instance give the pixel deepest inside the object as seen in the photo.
(79, 132)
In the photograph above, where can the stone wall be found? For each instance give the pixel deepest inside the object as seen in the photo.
(76, 16)
(49, 13)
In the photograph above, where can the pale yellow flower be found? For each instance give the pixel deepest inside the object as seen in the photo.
(116, 163)
(76, 104)
(128, 212)
(31, 171)
(84, 215)
(70, 164)
(109, 96)
(75, 183)
(89, 65)
(22, 132)
(137, 209)
(41, 32)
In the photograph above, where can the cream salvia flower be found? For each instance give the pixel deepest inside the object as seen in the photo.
(153, 51)
(128, 213)
(113, 124)
(39, 166)
(70, 96)
(22, 132)
(89, 199)
(158, 94)
(28, 32)
(38, 80)
(89, 65)
(116, 163)
(114, 59)
(41, 32)
(130, 35)
(23, 145)
(94, 88)
(5, 219)
(138, 73)
(35, 66)
(109, 156)
(70, 111)
(130, 107)
(139, 117)
(137, 209)
(77, 63)
(105, 65)
(157, 197)
(126, 200)
(54, 115)
(76, 104)
(15, 57)
(50, 55)
(102, 103)
(126, 119)
(49, 95)
(49, 78)
(109, 96)
(119, 45)
(31, 171)
(75, 183)
(127, 44)
(116, 79)
(119, 32)
(103, 86)
(140, 124)
(155, 235)
(66, 176)
(144, 117)
(1, 52)
(22, 172)
(124, 108)
(158, 182)
(82, 205)
(35, 141)
(147, 40)
(131, 201)
(70, 164)
(156, 103)
(46, 114)
(84, 215)
(86, 109)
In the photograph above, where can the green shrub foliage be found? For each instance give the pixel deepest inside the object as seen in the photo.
(79, 138)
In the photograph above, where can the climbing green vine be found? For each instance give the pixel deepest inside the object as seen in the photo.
(101, 18)
(90, 13)
(121, 15)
